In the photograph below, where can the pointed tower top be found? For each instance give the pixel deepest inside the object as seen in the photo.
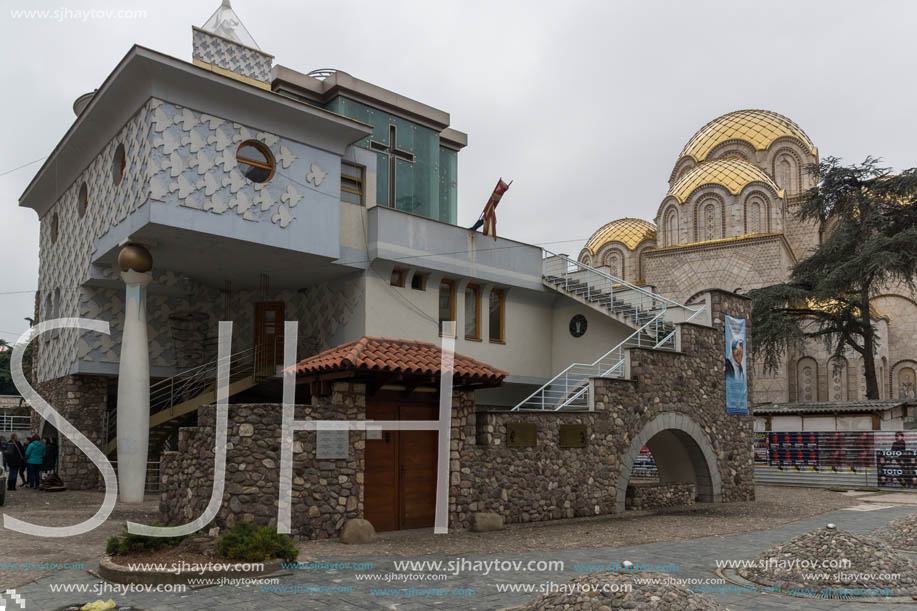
(224, 22)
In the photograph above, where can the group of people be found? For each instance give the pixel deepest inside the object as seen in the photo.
(27, 461)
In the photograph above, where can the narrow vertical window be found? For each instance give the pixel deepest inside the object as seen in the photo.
(351, 183)
(118, 163)
(497, 317)
(54, 228)
(473, 312)
(446, 302)
(83, 200)
(418, 282)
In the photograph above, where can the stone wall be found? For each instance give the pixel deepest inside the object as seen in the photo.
(659, 495)
(673, 402)
(82, 401)
(325, 492)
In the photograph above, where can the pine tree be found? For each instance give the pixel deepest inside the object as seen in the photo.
(869, 221)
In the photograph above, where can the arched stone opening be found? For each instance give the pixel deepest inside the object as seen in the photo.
(682, 453)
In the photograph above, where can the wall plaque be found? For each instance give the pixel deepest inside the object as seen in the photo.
(521, 434)
(573, 435)
(373, 432)
(332, 441)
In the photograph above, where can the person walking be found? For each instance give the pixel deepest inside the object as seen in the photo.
(34, 456)
(14, 460)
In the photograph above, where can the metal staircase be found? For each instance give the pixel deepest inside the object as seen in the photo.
(652, 316)
(174, 399)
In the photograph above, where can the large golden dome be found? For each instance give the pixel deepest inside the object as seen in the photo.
(628, 231)
(733, 173)
(759, 128)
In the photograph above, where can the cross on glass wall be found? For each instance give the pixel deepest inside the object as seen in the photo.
(393, 153)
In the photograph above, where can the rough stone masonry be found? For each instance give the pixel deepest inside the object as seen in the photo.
(674, 402)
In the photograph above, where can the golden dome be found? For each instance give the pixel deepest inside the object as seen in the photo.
(757, 127)
(731, 172)
(628, 231)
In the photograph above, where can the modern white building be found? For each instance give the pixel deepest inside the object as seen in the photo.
(234, 188)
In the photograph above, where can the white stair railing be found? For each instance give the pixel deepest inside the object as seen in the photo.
(644, 309)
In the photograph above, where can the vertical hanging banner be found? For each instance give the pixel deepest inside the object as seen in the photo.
(736, 371)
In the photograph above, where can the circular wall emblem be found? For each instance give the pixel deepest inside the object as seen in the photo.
(578, 325)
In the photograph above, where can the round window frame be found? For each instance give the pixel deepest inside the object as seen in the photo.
(264, 150)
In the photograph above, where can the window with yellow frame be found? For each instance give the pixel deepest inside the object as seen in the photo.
(497, 311)
(351, 183)
(473, 312)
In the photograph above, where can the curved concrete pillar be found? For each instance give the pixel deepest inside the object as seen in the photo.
(684, 454)
(134, 378)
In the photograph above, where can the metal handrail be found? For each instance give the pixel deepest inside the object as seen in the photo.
(621, 362)
(8, 423)
(259, 361)
(593, 369)
(613, 279)
(571, 384)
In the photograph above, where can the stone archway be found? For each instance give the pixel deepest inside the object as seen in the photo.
(682, 452)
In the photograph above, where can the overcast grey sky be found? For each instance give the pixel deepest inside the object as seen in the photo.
(583, 104)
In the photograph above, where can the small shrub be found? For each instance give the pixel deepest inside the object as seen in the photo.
(128, 543)
(251, 543)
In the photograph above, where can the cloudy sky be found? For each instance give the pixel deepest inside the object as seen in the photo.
(584, 105)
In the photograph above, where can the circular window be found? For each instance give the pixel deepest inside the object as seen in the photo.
(578, 325)
(255, 161)
(83, 200)
(118, 164)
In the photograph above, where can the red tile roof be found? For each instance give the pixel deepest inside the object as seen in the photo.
(379, 354)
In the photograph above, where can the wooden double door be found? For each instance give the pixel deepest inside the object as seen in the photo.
(400, 469)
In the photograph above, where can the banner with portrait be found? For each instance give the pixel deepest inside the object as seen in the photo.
(736, 368)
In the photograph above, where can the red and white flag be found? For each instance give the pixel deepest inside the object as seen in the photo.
(489, 217)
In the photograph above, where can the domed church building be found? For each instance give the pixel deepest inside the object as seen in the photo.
(728, 222)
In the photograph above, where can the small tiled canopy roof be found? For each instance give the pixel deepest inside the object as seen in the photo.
(383, 355)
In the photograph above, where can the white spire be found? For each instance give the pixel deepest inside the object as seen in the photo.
(224, 22)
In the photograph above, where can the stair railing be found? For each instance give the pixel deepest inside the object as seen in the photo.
(603, 289)
(569, 388)
(259, 361)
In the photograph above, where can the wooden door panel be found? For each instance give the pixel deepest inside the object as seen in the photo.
(418, 478)
(269, 330)
(380, 489)
(418, 469)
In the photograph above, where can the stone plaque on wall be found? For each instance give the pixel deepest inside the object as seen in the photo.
(332, 441)
(573, 435)
(521, 434)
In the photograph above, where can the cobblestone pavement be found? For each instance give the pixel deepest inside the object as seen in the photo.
(695, 559)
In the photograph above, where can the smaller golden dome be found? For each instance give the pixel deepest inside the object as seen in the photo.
(759, 128)
(733, 173)
(629, 231)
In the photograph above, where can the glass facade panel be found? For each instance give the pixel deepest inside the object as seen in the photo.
(417, 181)
(448, 184)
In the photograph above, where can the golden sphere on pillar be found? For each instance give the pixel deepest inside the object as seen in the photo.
(135, 257)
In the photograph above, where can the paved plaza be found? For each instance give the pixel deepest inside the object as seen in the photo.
(695, 559)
